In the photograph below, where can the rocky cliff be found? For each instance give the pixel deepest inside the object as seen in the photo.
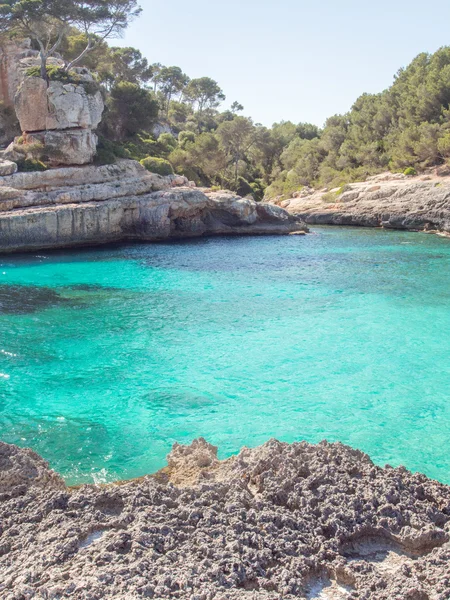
(389, 200)
(280, 521)
(92, 205)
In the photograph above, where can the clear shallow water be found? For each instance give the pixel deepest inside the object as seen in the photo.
(108, 356)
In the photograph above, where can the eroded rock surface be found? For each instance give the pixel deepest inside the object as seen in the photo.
(57, 106)
(278, 521)
(387, 200)
(122, 202)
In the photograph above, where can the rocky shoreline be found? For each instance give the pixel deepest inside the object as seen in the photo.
(92, 205)
(391, 201)
(279, 521)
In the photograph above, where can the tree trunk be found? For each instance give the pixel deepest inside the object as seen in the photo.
(44, 73)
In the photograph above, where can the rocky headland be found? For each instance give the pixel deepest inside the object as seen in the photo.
(279, 521)
(392, 201)
(91, 205)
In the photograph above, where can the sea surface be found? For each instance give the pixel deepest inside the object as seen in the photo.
(108, 356)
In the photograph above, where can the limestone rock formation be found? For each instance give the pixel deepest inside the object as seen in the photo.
(122, 202)
(67, 147)
(388, 200)
(279, 521)
(15, 58)
(57, 106)
(61, 117)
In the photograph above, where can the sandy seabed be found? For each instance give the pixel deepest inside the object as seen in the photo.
(278, 521)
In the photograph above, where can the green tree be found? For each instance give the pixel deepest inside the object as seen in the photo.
(47, 22)
(170, 81)
(131, 109)
(236, 138)
(236, 107)
(128, 64)
(205, 93)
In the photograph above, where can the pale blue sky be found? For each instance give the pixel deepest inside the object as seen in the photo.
(287, 59)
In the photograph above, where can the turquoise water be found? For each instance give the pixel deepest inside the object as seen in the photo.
(108, 356)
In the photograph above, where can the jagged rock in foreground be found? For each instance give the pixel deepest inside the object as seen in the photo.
(280, 521)
(91, 205)
(387, 200)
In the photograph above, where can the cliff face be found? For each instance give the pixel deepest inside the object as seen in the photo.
(388, 200)
(279, 521)
(122, 202)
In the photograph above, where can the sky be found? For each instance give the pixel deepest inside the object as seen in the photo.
(286, 59)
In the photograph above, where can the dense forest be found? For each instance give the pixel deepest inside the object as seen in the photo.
(159, 115)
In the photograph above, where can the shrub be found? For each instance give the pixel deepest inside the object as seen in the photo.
(104, 157)
(410, 171)
(330, 197)
(30, 164)
(186, 137)
(243, 188)
(55, 73)
(157, 165)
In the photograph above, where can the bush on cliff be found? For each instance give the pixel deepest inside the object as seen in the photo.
(410, 172)
(30, 164)
(55, 73)
(157, 165)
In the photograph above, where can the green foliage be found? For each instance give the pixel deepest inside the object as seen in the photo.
(410, 171)
(205, 92)
(131, 109)
(157, 165)
(55, 73)
(185, 138)
(330, 197)
(166, 143)
(48, 22)
(104, 157)
(405, 126)
(30, 164)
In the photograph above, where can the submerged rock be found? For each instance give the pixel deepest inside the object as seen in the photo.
(122, 202)
(278, 521)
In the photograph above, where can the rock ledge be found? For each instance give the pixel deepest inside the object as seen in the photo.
(91, 205)
(392, 201)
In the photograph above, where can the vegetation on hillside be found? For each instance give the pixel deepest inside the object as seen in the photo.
(155, 111)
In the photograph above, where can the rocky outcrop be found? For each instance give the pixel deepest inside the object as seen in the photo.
(279, 521)
(57, 106)
(60, 117)
(15, 58)
(93, 205)
(387, 200)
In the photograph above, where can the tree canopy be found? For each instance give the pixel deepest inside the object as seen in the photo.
(48, 22)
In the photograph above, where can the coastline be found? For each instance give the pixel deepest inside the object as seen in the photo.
(91, 206)
(291, 520)
(388, 201)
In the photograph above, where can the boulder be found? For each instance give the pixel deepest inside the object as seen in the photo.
(66, 147)
(57, 106)
(7, 167)
(31, 104)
